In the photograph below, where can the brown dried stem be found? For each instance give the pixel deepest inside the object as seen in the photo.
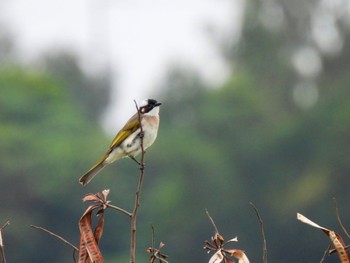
(156, 254)
(56, 236)
(119, 209)
(212, 222)
(326, 252)
(133, 218)
(262, 232)
(338, 217)
(153, 238)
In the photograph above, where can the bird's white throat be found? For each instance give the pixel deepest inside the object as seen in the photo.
(153, 112)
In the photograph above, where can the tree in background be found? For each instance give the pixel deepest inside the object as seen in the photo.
(275, 133)
(44, 131)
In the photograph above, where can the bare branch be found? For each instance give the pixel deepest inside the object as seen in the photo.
(326, 252)
(262, 232)
(338, 217)
(155, 252)
(212, 222)
(153, 237)
(5, 225)
(56, 236)
(133, 218)
(119, 209)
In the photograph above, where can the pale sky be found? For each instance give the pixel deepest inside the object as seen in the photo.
(138, 39)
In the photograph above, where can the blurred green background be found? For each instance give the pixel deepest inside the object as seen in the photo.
(275, 133)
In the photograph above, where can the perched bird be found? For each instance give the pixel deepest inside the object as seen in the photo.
(127, 143)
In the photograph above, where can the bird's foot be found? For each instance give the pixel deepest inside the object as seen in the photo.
(141, 135)
(134, 159)
(141, 165)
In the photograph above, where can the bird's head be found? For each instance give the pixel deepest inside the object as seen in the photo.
(150, 106)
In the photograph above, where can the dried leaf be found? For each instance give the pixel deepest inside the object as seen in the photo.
(105, 194)
(161, 245)
(88, 241)
(83, 254)
(149, 250)
(228, 260)
(239, 254)
(1, 242)
(217, 257)
(307, 221)
(231, 240)
(99, 229)
(336, 239)
(2, 251)
(219, 237)
(338, 244)
(89, 210)
(100, 211)
(91, 197)
(156, 254)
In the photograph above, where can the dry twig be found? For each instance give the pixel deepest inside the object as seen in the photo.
(119, 209)
(133, 218)
(212, 221)
(326, 252)
(338, 218)
(56, 236)
(218, 246)
(335, 238)
(155, 252)
(261, 223)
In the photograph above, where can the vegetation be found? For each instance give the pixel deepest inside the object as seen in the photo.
(272, 134)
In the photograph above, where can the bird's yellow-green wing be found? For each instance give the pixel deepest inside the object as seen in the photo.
(131, 126)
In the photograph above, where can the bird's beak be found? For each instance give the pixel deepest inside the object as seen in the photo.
(158, 104)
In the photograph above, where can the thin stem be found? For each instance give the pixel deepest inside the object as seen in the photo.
(262, 232)
(338, 217)
(133, 219)
(119, 209)
(326, 252)
(5, 225)
(212, 222)
(153, 238)
(56, 236)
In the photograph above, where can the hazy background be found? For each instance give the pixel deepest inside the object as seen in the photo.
(255, 109)
(135, 41)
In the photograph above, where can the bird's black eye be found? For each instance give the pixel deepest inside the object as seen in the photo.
(145, 109)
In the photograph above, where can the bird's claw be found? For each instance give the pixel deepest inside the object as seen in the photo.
(141, 135)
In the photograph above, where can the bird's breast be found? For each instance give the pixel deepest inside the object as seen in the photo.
(150, 130)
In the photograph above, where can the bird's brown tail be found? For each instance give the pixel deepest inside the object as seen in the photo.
(86, 178)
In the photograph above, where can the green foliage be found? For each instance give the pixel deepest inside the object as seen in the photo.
(236, 145)
(43, 137)
(218, 148)
(90, 93)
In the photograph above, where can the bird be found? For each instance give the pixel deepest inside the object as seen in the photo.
(127, 142)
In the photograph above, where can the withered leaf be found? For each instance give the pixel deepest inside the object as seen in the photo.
(88, 241)
(91, 197)
(99, 229)
(217, 257)
(239, 254)
(335, 238)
